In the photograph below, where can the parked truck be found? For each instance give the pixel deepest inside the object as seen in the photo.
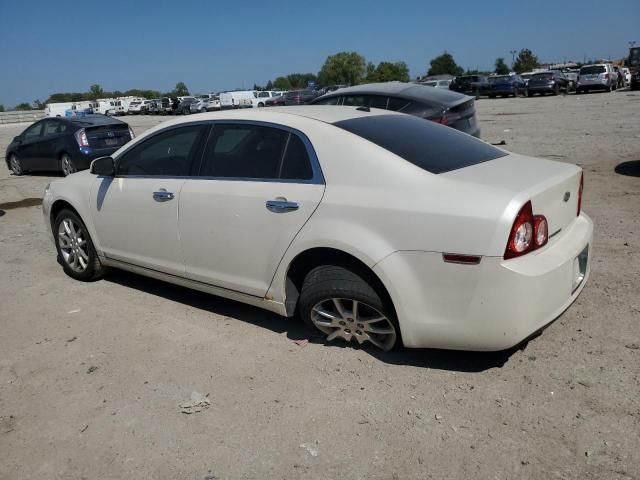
(633, 63)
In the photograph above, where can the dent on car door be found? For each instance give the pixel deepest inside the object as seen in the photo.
(257, 187)
(136, 212)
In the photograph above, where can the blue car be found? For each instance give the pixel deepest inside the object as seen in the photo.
(66, 144)
(506, 85)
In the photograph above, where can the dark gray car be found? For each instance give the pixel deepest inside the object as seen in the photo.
(436, 104)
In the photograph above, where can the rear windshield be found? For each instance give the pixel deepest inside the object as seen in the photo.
(504, 78)
(432, 147)
(592, 69)
(542, 76)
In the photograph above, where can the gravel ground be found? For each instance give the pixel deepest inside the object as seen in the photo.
(92, 375)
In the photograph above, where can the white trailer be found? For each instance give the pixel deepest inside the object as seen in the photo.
(233, 99)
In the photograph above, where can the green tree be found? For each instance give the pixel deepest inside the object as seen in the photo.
(525, 61)
(22, 106)
(1, 108)
(501, 67)
(444, 64)
(181, 90)
(300, 80)
(269, 85)
(347, 68)
(371, 75)
(95, 91)
(282, 83)
(38, 105)
(389, 72)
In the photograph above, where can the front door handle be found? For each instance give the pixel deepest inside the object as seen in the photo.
(280, 205)
(162, 195)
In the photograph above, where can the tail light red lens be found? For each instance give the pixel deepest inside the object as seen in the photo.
(521, 237)
(540, 230)
(528, 233)
(580, 193)
(448, 118)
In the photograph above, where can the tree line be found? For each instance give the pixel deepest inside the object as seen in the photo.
(343, 68)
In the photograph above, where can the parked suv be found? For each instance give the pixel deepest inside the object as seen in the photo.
(552, 82)
(475, 85)
(596, 77)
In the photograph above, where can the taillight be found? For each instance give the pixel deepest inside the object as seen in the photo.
(81, 138)
(448, 118)
(528, 233)
(580, 193)
(606, 76)
(540, 230)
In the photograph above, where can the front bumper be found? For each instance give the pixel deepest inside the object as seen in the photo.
(490, 306)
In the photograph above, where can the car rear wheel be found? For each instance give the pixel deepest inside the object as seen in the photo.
(66, 165)
(75, 248)
(528, 93)
(16, 165)
(340, 303)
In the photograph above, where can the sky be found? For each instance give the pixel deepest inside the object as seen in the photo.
(67, 45)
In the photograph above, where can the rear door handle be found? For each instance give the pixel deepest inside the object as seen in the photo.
(162, 195)
(281, 205)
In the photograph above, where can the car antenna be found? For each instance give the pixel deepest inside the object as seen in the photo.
(363, 109)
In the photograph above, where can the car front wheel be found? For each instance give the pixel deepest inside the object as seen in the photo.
(75, 249)
(341, 304)
(16, 165)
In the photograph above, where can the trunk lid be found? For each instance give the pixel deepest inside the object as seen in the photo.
(551, 186)
(108, 136)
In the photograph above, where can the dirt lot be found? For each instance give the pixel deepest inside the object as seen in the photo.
(92, 374)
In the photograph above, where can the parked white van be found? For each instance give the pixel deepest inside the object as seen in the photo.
(232, 99)
(57, 109)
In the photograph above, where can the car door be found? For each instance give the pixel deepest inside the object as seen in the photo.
(257, 187)
(30, 149)
(51, 143)
(136, 212)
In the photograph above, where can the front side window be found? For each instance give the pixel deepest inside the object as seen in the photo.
(33, 131)
(329, 101)
(255, 152)
(167, 153)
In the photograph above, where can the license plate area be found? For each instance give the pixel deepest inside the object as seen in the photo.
(580, 268)
(111, 142)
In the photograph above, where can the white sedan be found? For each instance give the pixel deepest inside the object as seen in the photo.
(373, 226)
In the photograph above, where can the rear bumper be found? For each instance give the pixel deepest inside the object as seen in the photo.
(541, 88)
(592, 86)
(490, 306)
(85, 155)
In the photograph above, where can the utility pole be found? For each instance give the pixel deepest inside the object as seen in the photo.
(513, 57)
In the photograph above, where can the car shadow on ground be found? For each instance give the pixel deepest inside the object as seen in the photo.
(295, 329)
(630, 169)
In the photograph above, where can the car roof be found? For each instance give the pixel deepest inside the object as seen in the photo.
(401, 89)
(90, 120)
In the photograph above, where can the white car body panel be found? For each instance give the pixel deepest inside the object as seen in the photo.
(388, 213)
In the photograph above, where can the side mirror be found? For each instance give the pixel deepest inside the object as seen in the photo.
(17, 139)
(103, 167)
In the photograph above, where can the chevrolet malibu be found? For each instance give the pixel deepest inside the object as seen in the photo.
(372, 226)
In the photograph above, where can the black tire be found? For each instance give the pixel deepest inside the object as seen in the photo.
(16, 165)
(327, 282)
(556, 89)
(529, 94)
(94, 268)
(67, 166)
(492, 96)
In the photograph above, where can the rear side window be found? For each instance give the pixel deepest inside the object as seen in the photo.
(398, 104)
(432, 147)
(329, 101)
(592, 70)
(255, 152)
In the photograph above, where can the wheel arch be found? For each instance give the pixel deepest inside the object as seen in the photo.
(59, 205)
(308, 259)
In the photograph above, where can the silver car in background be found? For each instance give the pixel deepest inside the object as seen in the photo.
(205, 105)
(597, 77)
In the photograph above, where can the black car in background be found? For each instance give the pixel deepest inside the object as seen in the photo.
(184, 107)
(552, 82)
(299, 97)
(474, 85)
(436, 104)
(66, 144)
(505, 85)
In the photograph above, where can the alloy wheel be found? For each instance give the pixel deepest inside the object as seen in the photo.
(67, 165)
(353, 320)
(16, 166)
(72, 241)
